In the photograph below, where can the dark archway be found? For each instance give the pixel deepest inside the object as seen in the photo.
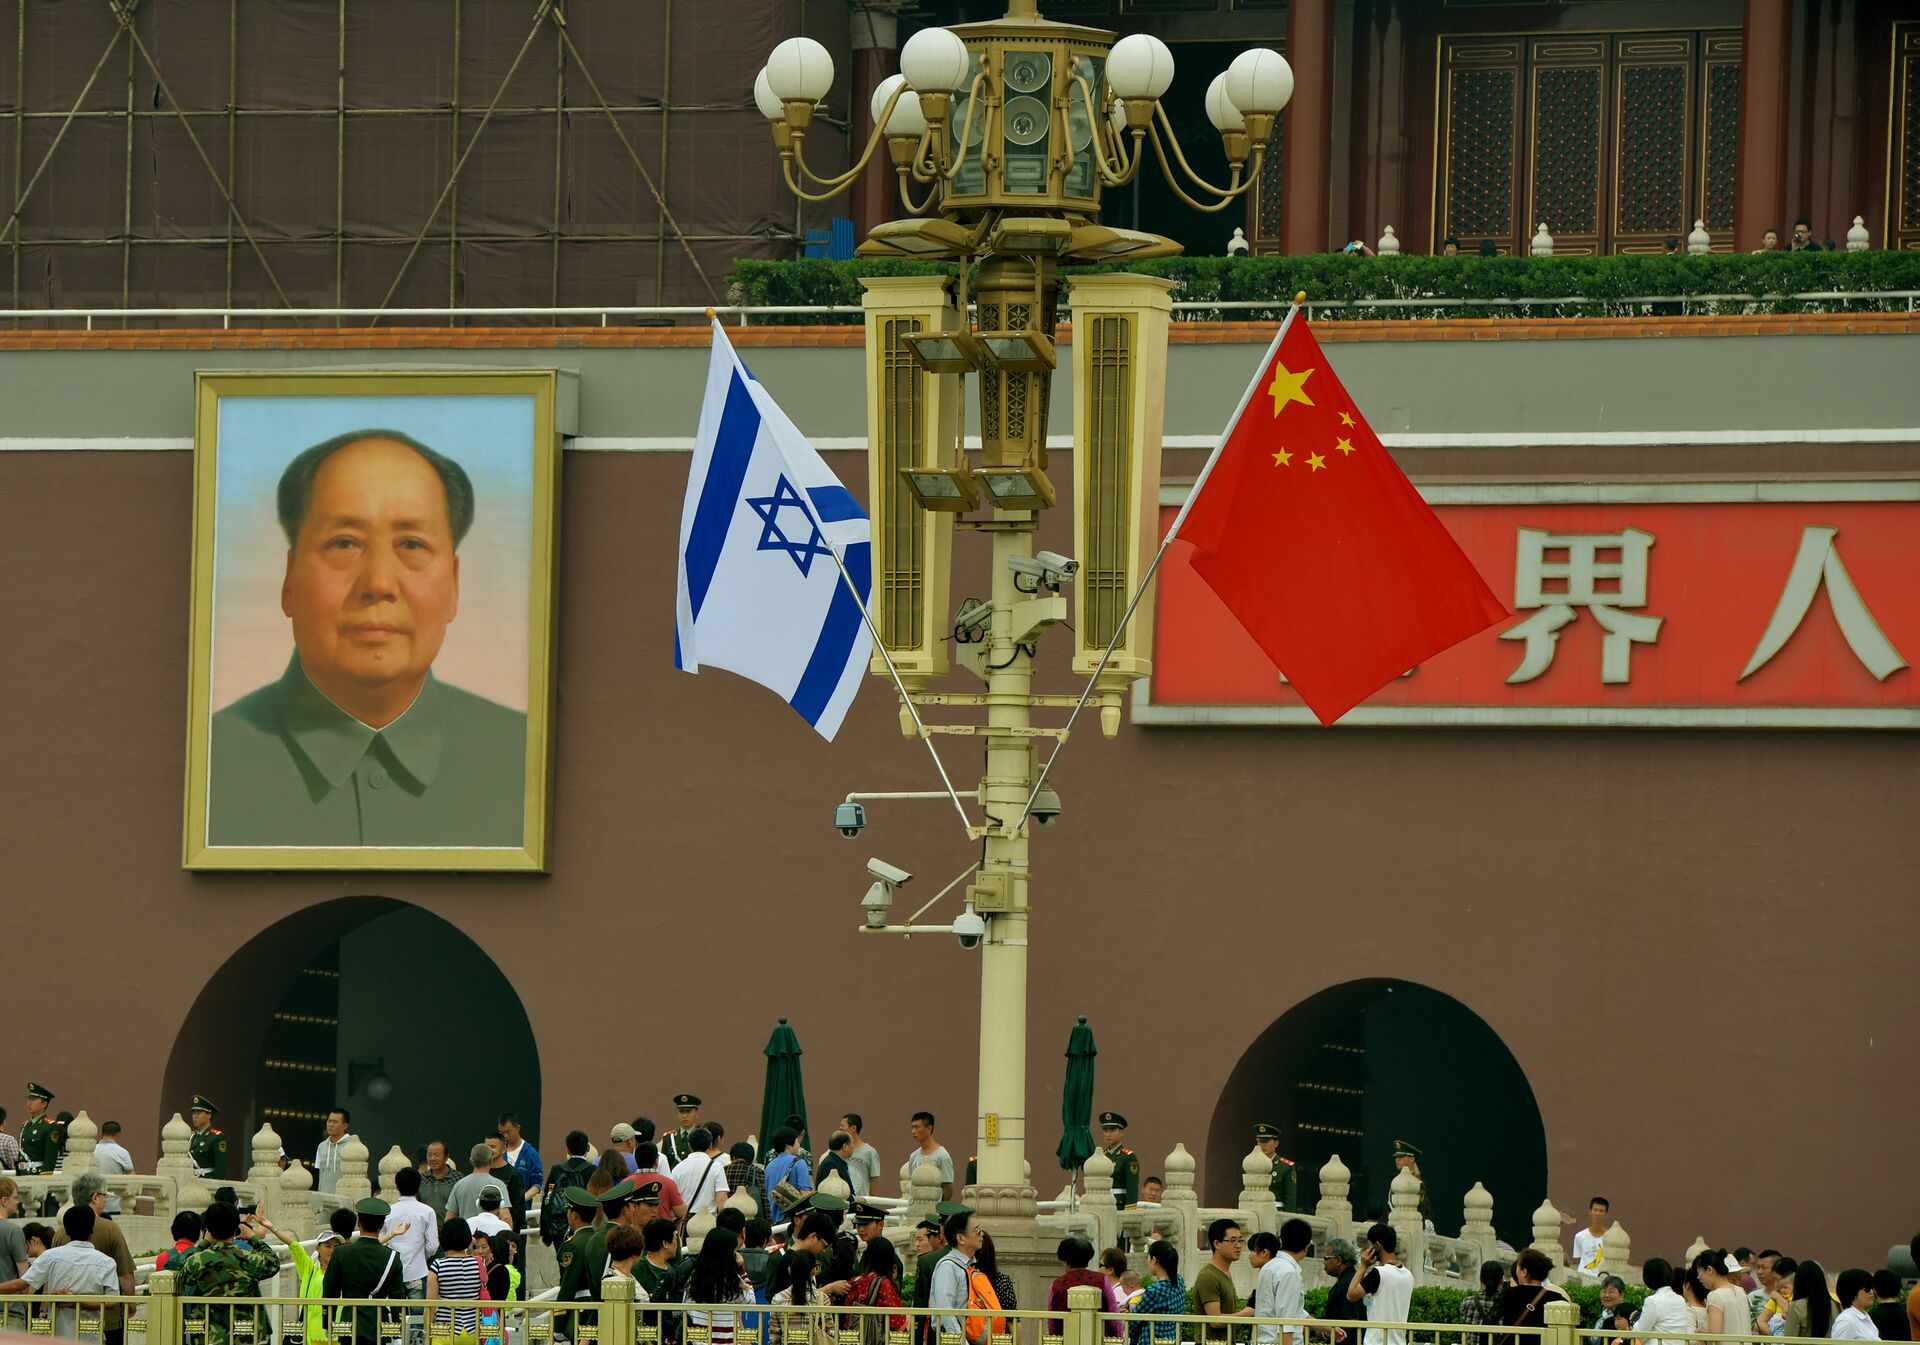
(293, 1022)
(1360, 1065)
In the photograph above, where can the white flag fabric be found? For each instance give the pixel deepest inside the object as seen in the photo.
(759, 592)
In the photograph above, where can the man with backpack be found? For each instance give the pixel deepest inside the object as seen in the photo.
(572, 1171)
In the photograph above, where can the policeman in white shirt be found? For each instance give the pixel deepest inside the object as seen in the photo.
(1589, 1242)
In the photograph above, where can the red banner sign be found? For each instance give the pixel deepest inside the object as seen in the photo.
(1697, 604)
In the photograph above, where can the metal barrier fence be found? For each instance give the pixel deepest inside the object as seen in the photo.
(623, 1316)
(1184, 310)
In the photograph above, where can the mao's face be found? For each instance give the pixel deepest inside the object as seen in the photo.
(372, 580)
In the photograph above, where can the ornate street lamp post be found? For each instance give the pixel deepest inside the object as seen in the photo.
(1002, 137)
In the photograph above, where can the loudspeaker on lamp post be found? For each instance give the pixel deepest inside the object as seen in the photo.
(1120, 326)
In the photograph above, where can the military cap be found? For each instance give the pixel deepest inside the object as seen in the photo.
(1402, 1149)
(865, 1213)
(649, 1190)
(617, 1194)
(373, 1205)
(1112, 1120)
(931, 1224)
(800, 1206)
(948, 1208)
(581, 1198)
(826, 1201)
(200, 1103)
(1266, 1131)
(39, 1090)
(685, 1101)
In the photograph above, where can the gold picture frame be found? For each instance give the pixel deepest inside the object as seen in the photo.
(289, 775)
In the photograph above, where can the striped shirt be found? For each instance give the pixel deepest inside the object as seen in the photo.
(459, 1278)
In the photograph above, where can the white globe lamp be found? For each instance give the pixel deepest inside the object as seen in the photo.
(1220, 109)
(906, 118)
(800, 70)
(763, 98)
(935, 60)
(1260, 80)
(1139, 66)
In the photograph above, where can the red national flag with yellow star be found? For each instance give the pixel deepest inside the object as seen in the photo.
(1318, 543)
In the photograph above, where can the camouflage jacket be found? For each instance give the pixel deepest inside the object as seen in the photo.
(222, 1270)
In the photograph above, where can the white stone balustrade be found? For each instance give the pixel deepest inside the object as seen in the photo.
(1476, 1221)
(1256, 1193)
(264, 1176)
(1098, 1205)
(1546, 1234)
(1616, 1251)
(296, 1204)
(353, 1185)
(390, 1164)
(1336, 1183)
(747, 1202)
(175, 1164)
(836, 1185)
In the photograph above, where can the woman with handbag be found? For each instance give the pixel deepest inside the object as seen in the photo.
(717, 1282)
(877, 1285)
(788, 1177)
(797, 1290)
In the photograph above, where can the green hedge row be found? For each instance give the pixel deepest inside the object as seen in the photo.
(1610, 285)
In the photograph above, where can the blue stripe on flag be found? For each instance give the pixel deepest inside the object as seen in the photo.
(720, 493)
(834, 504)
(842, 627)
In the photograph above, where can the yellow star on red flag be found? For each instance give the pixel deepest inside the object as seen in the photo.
(1346, 418)
(1289, 387)
(1344, 444)
(1315, 461)
(1281, 458)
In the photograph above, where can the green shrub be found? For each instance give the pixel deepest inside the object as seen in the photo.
(1610, 285)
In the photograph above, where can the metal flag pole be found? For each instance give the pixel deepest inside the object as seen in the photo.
(1153, 567)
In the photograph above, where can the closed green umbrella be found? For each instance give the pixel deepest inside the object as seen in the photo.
(1076, 1099)
(784, 1094)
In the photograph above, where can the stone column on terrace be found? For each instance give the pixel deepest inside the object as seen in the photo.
(1476, 1224)
(353, 1185)
(390, 1164)
(1546, 1233)
(82, 1136)
(296, 1202)
(923, 1192)
(1099, 1201)
(1336, 1180)
(747, 1202)
(1256, 1192)
(1179, 1193)
(1616, 1251)
(264, 1175)
(1409, 1228)
(175, 1165)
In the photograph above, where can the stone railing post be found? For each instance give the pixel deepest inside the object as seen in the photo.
(353, 1185)
(296, 1204)
(1563, 1319)
(163, 1306)
(698, 1226)
(1546, 1233)
(836, 1185)
(923, 1193)
(747, 1202)
(1082, 1323)
(617, 1317)
(1333, 1206)
(1403, 1216)
(193, 1196)
(264, 1174)
(1700, 1244)
(175, 1166)
(1256, 1192)
(1099, 1203)
(1616, 1251)
(390, 1164)
(1476, 1225)
(82, 1136)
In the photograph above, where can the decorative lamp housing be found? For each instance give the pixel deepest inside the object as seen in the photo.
(1260, 80)
(935, 60)
(763, 98)
(913, 427)
(1139, 66)
(800, 70)
(1120, 324)
(1220, 109)
(906, 118)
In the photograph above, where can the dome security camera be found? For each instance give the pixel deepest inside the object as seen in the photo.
(970, 929)
(850, 818)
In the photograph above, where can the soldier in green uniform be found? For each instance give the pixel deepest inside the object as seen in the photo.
(208, 1147)
(1285, 1182)
(1126, 1163)
(676, 1146)
(582, 1205)
(41, 1138)
(364, 1268)
(1407, 1156)
(581, 1283)
(219, 1269)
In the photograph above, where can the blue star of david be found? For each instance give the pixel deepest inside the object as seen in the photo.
(773, 538)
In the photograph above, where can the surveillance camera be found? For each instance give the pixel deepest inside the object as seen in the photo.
(850, 817)
(887, 874)
(969, 623)
(1046, 806)
(970, 929)
(875, 905)
(1048, 569)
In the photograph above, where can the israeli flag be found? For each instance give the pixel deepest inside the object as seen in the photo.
(760, 594)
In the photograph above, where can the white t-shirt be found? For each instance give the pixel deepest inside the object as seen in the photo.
(77, 1267)
(1278, 1292)
(701, 1177)
(940, 1158)
(1391, 1302)
(489, 1224)
(864, 1165)
(114, 1160)
(1587, 1251)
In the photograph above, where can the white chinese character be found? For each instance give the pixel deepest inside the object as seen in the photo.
(1557, 587)
(1819, 560)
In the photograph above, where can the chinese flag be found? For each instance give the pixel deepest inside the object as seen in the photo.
(1319, 544)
